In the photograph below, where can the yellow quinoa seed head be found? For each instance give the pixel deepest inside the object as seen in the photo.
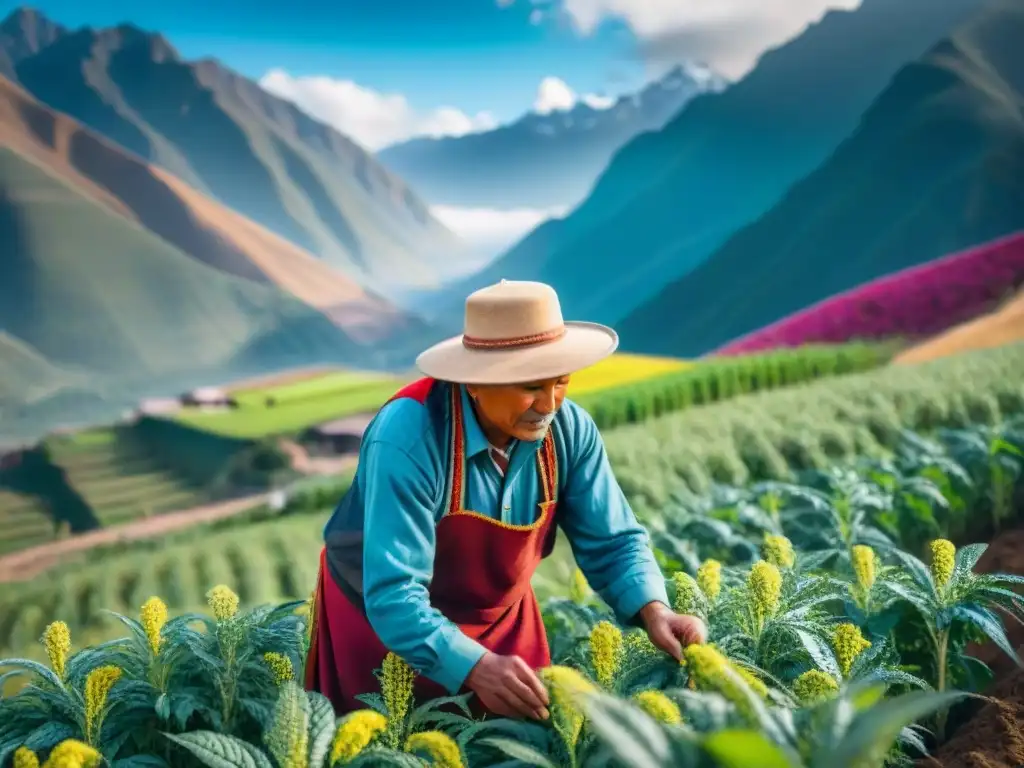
(280, 667)
(223, 602)
(606, 651)
(57, 640)
(443, 751)
(153, 616)
(814, 686)
(709, 670)
(848, 643)
(396, 686)
(778, 550)
(864, 566)
(685, 601)
(943, 561)
(25, 758)
(765, 587)
(659, 706)
(567, 688)
(579, 590)
(73, 754)
(355, 733)
(709, 578)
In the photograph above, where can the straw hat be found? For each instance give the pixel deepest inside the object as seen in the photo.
(514, 332)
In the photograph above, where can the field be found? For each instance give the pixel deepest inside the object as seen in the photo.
(716, 481)
(914, 303)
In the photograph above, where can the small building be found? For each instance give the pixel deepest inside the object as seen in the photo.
(159, 406)
(339, 437)
(207, 397)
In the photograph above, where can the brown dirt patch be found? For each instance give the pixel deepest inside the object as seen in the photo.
(1004, 326)
(994, 737)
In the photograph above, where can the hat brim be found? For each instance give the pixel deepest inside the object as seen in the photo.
(583, 345)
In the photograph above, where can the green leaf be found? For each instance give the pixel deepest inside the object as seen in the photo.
(875, 729)
(140, 761)
(217, 750)
(374, 701)
(636, 739)
(27, 665)
(819, 652)
(322, 723)
(742, 749)
(520, 752)
(988, 623)
(967, 557)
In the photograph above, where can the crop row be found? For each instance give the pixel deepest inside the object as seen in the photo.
(264, 562)
(772, 434)
(830, 643)
(913, 303)
(714, 380)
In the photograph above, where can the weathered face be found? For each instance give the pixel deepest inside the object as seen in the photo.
(520, 411)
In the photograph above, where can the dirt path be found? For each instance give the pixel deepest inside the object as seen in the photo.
(29, 563)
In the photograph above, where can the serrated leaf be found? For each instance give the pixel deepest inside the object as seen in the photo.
(218, 750)
(322, 723)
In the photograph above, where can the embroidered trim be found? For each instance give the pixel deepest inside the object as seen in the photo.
(515, 342)
(455, 501)
(313, 625)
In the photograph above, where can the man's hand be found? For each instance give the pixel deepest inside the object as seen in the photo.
(670, 631)
(507, 686)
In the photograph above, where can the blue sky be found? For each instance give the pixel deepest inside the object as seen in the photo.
(471, 54)
(383, 71)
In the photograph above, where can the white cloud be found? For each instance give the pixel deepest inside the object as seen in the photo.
(555, 95)
(372, 119)
(489, 231)
(727, 34)
(536, 16)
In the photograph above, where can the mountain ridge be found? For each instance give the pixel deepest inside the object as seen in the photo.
(541, 160)
(935, 166)
(258, 154)
(669, 199)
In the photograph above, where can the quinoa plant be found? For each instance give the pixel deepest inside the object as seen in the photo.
(948, 593)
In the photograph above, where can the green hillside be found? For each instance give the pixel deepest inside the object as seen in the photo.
(87, 289)
(668, 199)
(937, 165)
(226, 137)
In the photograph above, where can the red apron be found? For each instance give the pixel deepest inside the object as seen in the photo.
(482, 573)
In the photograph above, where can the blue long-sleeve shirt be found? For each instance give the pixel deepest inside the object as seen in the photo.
(399, 493)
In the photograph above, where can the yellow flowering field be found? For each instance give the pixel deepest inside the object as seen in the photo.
(621, 369)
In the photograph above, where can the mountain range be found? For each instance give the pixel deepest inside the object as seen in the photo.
(225, 137)
(120, 279)
(542, 160)
(935, 166)
(670, 198)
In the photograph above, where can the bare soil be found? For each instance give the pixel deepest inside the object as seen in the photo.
(994, 737)
(1004, 326)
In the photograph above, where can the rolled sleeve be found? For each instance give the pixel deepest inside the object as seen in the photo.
(398, 562)
(610, 546)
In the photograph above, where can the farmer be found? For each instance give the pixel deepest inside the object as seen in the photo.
(462, 480)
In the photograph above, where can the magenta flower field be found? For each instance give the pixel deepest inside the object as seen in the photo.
(912, 304)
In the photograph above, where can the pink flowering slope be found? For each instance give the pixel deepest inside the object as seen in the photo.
(913, 303)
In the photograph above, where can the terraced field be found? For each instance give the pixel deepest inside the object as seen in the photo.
(121, 478)
(288, 409)
(24, 522)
